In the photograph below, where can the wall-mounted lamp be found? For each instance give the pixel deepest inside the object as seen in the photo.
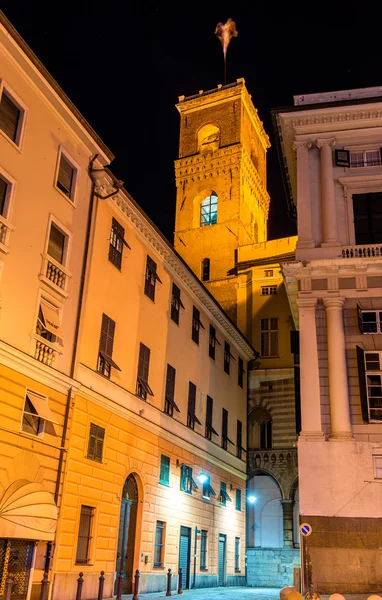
(203, 478)
(251, 499)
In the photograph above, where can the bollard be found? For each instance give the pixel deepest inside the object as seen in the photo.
(180, 591)
(100, 586)
(8, 587)
(168, 593)
(80, 583)
(119, 586)
(136, 585)
(44, 586)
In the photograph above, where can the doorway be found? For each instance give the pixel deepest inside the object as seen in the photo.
(126, 534)
(222, 559)
(16, 558)
(184, 555)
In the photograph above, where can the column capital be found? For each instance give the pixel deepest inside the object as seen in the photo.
(331, 303)
(306, 302)
(320, 142)
(302, 144)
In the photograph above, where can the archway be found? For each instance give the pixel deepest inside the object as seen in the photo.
(127, 533)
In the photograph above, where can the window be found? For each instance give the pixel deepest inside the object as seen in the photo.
(37, 416)
(191, 416)
(117, 241)
(164, 477)
(95, 445)
(225, 438)
(369, 321)
(268, 290)
(269, 337)
(266, 434)
(159, 544)
(268, 273)
(5, 188)
(365, 158)
(151, 278)
(237, 554)
(212, 342)
(370, 382)
(66, 177)
(367, 209)
(205, 269)
(176, 303)
(209, 428)
(11, 117)
(240, 373)
(169, 403)
(203, 550)
(377, 467)
(187, 483)
(260, 428)
(209, 210)
(56, 244)
(239, 440)
(106, 343)
(224, 496)
(48, 322)
(207, 489)
(227, 357)
(143, 388)
(238, 499)
(196, 324)
(84, 535)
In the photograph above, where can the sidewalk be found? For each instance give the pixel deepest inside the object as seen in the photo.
(226, 593)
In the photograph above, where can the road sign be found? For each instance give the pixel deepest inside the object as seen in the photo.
(305, 529)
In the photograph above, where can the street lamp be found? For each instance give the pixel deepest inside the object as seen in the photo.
(251, 499)
(203, 478)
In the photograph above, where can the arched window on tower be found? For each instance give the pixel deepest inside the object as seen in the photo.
(260, 424)
(205, 269)
(209, 210)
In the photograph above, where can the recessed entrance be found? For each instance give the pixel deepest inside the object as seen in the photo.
(127, 533)
(16, 559)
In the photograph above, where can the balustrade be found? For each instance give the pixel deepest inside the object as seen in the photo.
(362, 251)
(45, 354)
(55, 274)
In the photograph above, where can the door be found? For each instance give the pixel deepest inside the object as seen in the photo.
(16, 559)
(126, 534)
(222, 558)
(184, 555)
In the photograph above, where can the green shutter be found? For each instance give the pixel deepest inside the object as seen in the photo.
(238, 499)
(164, 477)
(362, 384)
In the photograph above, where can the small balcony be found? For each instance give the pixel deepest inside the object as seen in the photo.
(46, 352)
(54, 275)
(362, 251)
(5, 229)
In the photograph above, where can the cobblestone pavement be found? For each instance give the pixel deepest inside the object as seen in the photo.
(227, 593)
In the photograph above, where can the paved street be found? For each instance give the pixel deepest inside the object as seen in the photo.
(231, 593)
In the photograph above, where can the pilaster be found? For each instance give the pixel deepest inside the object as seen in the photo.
(328, 201)
(304, 211)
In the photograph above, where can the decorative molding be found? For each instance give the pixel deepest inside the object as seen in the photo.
(299, 144)
(321, 142)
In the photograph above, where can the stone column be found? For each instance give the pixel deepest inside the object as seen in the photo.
(328, 201)
(340, 424)
(309, 374)
(288, 522)
(304, 210)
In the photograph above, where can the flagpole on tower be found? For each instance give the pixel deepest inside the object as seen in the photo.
(225, 32)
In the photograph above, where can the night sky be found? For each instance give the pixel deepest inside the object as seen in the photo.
(124, 66)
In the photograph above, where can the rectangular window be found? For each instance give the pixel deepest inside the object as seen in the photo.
(159, 544)
(169, 403)
(239, 440)
(96, 440)
(240, 373)
(225, 438)
(143, 388)
(176, 303)
(209, 412)
(365, 158)
(367, 209)
(56, 244)
(106, 343)
(10, 117)
(213, 340)
(269, 337)
(207, 489)
(37, 416)
(238, 499)
(66, 177)
(48, 322)
(370, 321)
(226, 357)
(196, 324)
(203, 550)
(377, 467)
(117, 241)
(268, 273)
(4, 191)
(84, 535)
(187, 483)
(191, 416)
(151, 278)
(224, 496)
(268, 290)
(164, 477)
(237, 554)
(205, 269)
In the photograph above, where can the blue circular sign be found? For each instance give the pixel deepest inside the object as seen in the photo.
(305, 529)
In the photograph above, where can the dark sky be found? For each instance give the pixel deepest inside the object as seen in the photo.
(125, 64)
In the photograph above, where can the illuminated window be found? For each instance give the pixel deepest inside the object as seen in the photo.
(209, 210)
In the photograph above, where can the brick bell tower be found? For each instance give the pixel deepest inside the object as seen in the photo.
(222, 202)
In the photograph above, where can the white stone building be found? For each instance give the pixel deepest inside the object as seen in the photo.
(330, 147)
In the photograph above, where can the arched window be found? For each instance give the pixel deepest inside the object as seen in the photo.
(208, 138)
(209, 210)
(205, 269)
(260, 423)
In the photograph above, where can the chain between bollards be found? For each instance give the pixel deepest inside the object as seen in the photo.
(180, 591)
(119, 586)
(136, 585)
(8, 587)
(100, 585)
(44, 586)
(168, 592)
(80, 583)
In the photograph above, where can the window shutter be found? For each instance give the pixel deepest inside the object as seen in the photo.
(170, 382)
(104, 334)
(342, 158)
(360, 319)
(56, 244)
(3, 195)
(110, 338)
(362, 384)
(191, 399)
(225, 423)
(144, 361)
(65, 176)
(209, 411)
(239, 435)
(9, 117)
(92, 440)
(165, 469)
(99, 444)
